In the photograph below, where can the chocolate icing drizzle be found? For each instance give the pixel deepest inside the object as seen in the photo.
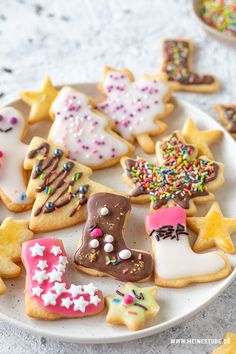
(5, 130)
(176, 64)
(169, 231)
(55, 181)
(230, 115)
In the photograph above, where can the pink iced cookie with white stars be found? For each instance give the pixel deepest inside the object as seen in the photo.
(85, 133)
(135, 106)
(176, 265)
(13, 180)
(48, 295)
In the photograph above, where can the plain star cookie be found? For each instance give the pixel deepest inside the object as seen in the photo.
(13, 129)
(227, 116)
(59, 186)
(213, 230)
(48, 295)
(202, 139)
(75, 121)
(176, 265)
(176, 64)
(132, 306)
(135, 106)
(12, 234)
(180, 178)
(103, 250)
(229, 345)
(40, 101)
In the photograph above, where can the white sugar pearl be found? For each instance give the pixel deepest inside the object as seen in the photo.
(109, 238)
(125, 254)
(108, 247)
(104, 211)
(94, 243)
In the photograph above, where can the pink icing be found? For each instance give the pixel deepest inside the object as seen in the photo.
(167, 216)
(128, 299)
(31, 263)
(97, 232)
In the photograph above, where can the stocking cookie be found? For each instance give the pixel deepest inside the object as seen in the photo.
(228, 346)
(132, 306)
(59, 185)
(74, 122)
(12, 152)
(176, 265)
(103, 250)
(227, 116)
(40, 101)
(136, 107)
(213, 230)
(48, 295)
(12, 234)
(180, 178)
(177, 65)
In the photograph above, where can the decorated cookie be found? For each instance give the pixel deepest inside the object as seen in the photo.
(213, 230)
(74, 122)
(180, 178)
(227, 116)
(202, 139)
(132, 306)
(103, 250)
(228, 346)
(177, 65)
(136, 107)
(12, 234)
(12, 152)
(59, 185)
(176, 265)
(48, 295)
(40, 101)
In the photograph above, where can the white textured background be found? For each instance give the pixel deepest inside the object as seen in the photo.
(72, 40)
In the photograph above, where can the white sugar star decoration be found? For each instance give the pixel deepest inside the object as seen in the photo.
(80, 304)
(36, 291)
(54, 275)
(94, 300)
(59, 288)
(37, 250)
(60, 267)
(56, 250)
(42, 264)
(66, 302)
(63, 260)
(49, 298)
(89, 289)
(75, 290)
(40, 276)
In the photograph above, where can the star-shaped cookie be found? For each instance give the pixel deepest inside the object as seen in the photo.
(12, 234)
(132, 305)
(202, 139)
(229, 346)
(213, 230)
(40, 101)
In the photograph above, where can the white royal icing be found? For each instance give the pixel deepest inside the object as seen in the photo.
(133, 105)
(13, 150)
(82, 131)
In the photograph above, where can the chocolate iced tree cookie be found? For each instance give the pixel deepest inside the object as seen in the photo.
(227, 116)
(103, 251)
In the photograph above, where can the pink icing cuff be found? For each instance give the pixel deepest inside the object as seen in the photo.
(167, 216)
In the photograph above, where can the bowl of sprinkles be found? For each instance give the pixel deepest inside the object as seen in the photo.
(217, 17)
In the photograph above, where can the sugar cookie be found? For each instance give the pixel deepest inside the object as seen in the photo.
(176, 64)
(136, 107)
(227, 116)
(103, 250)
(75, 121)
(213, 230)
(48, 295)
(228, 346)
(179, 179)
(176, 265)
(12, 234)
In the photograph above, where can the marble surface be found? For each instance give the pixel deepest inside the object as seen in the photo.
(72, 40)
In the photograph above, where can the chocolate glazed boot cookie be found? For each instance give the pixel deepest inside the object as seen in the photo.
(103, 251)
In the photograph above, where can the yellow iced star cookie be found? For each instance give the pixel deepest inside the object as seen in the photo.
(229, 346)
(12, 234)
(202, 139)
(213, 230)
(40, 101)
(132, 305)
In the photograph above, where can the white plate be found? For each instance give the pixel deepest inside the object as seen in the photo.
(176, 304)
